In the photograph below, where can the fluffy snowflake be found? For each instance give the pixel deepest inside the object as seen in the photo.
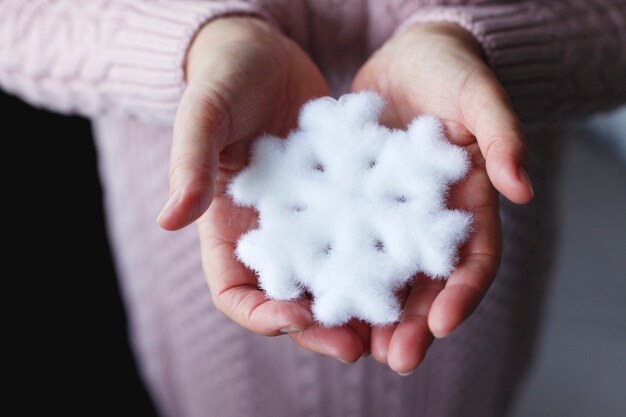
(350, 210)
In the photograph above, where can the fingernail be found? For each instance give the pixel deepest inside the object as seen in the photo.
(171, 202)
(523, 174)
(406, 373)
(290, 329)
(344, 362)
(366, 354)
(439, 334)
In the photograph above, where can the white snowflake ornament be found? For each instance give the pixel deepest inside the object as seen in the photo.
(351, 210)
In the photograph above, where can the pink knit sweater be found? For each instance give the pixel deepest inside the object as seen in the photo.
(120, 62)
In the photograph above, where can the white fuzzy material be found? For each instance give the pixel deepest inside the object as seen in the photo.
(350, 210)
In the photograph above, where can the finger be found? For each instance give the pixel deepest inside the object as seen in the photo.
(201, 128)
(458, 133)
(488, 114)
(237, 296)
(234, 288)
(341, 343)
(469, 282)
(363, 330)
(248, 307)
(381, 336)
(412, 337)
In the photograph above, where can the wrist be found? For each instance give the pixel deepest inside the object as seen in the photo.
(220, 31)
(446, 32)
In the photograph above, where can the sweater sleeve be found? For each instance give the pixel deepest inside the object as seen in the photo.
(557, 59)
(121, 57)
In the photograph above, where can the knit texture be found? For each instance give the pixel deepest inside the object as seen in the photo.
(120, 63)
(120, 57)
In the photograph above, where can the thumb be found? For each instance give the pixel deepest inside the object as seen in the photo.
(201, 129)
(489, 116)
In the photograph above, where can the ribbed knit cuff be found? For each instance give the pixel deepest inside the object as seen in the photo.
(144, 67)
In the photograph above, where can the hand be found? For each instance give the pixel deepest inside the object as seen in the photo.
(439, 69)
(244, 79)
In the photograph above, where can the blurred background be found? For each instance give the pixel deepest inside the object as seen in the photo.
(580, 367)
(69, 327)
(579, 370)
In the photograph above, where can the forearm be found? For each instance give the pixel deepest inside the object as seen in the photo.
(121, 57)
(556, 59)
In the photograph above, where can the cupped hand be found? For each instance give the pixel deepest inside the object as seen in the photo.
(244, 79)
(439, 69)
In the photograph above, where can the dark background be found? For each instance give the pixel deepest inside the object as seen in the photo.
(70, 333)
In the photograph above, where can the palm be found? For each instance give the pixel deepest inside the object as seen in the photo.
(426, 81)
(268, 98)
